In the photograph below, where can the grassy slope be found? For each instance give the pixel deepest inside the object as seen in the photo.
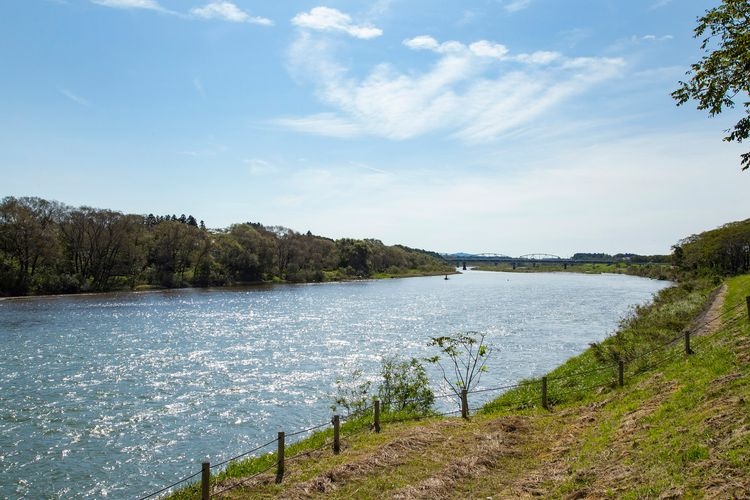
(655, 271)
(679, 426)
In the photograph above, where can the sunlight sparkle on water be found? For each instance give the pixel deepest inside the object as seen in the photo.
(125, 393)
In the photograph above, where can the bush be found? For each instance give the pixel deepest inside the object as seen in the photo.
(404, 387)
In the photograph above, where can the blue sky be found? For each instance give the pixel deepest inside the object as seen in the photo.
(509, 126)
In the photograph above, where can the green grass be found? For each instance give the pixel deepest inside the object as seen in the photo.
(655, 271)
(679, 423)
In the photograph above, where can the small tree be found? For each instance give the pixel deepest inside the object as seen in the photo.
(724, 74)
(467, 356)
(405, 386)
(353, 394)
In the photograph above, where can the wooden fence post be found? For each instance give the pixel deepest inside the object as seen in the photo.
(206, 481)
(336, 442)
(621, 373)
(280, 459)
(747, 299)
(544, 393)
(688, 350)
(377, 415)
(464, 404)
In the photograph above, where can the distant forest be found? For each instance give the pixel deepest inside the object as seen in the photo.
(724, 251)
(48, 247)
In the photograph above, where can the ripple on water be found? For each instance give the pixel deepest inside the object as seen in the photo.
(122, 394)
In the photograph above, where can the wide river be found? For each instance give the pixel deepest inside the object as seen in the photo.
(119, 395)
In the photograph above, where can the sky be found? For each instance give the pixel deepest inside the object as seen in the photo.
(486, 126)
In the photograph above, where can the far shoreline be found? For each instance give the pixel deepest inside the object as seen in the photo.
(249, 284)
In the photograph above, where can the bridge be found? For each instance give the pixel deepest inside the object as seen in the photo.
(533, 259)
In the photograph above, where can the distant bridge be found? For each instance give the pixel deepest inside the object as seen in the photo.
(462, 259)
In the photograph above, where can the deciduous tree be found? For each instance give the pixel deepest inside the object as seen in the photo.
(724, 74)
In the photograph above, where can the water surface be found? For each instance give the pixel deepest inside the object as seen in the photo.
(118, 395)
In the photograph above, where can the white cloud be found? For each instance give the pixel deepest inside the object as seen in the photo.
(130, 4)
(75, 98)
(333, 20)
(476, 92)
(422, 42)
(227, 11)
(483, 48)
(539, 57)
(651, 38)
(380, 7)
(259, 167)
(659, 4)
(468, 17)
(609, 197)
(516, 5)
(325, 124)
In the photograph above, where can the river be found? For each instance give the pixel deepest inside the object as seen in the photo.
(118, 395)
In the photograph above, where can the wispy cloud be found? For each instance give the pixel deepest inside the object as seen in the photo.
(635, 40)
(653, 38)
(658, 4)
(75, 97)
(199, 87)
(574, 36)
(227, 11)
(326, 124)
(379, 8)
(130, 4)
(516, 5)
(256, 166)
(468, 17)
(333, 20)
(475, 92)
(590, 196)
(481, 48)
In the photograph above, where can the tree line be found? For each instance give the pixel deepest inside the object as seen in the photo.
(49, 247)
(632, 258)
(724, 251)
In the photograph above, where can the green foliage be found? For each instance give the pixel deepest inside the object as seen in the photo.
(659, 271)
(724, 73)
(724, 251)
(403, 388)
(467, 356)
(652, 325)
(48, 247)
(352, 394)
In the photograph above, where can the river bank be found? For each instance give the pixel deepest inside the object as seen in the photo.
(154, 381)
(234, 286)
(666, 272)
(674, 425)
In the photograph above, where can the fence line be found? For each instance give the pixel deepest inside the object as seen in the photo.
(465, 410)
(188, 478)
(243, 454)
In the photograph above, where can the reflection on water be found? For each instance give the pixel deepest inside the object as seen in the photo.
(122, 394)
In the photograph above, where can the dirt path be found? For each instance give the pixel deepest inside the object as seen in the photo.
(710, 319)
(516, 456)
(611, 472)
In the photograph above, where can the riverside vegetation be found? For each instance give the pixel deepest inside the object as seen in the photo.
(678, 427)
(724, 251)
(47, 247)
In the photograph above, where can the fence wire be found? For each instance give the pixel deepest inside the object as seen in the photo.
(188, 478)
(525, 403)
(244, 481)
